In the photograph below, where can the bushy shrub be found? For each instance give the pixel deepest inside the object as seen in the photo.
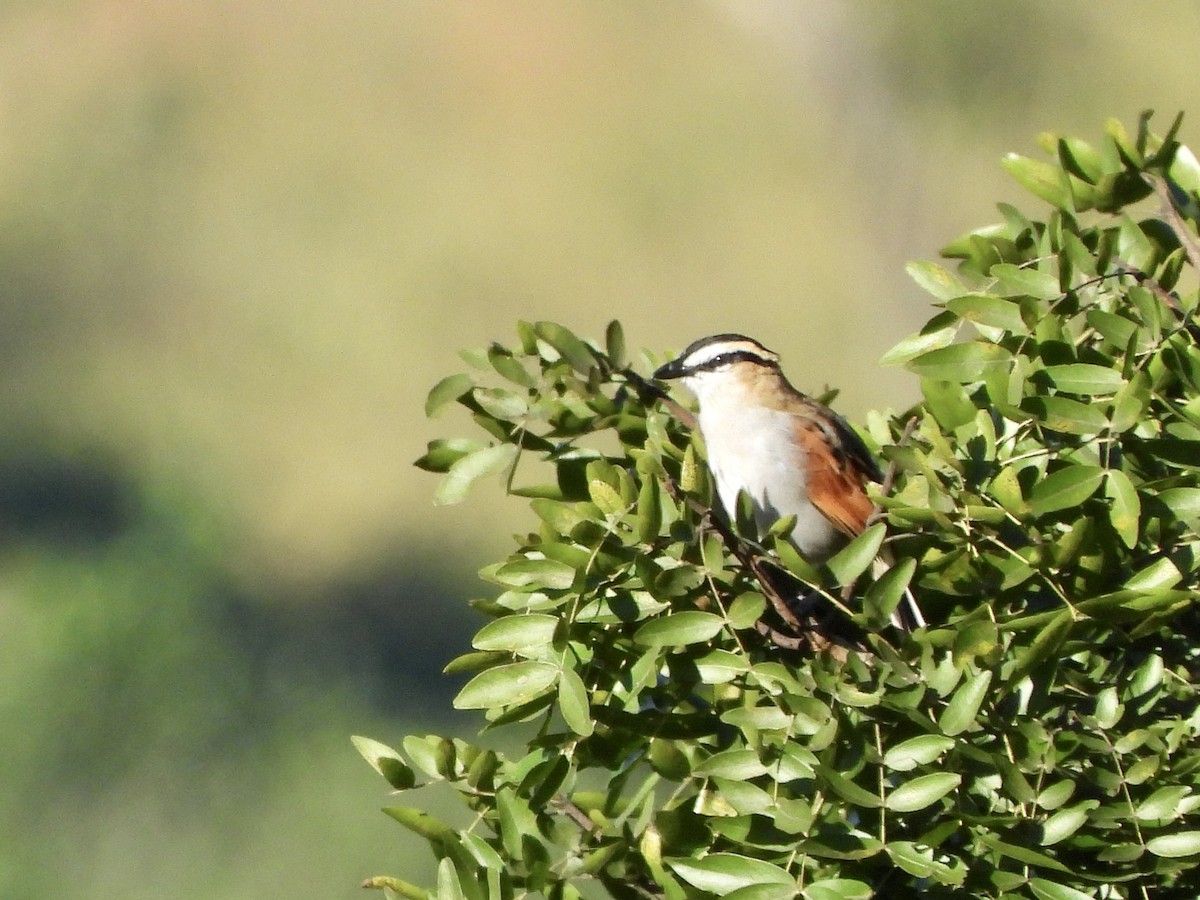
(683, 737)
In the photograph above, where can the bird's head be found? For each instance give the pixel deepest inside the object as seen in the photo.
(718, 363)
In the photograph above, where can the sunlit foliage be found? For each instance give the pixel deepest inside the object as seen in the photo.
(686, 737)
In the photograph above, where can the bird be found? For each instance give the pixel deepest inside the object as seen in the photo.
(791, 454)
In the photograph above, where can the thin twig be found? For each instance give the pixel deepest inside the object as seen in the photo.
(1186, 239)
(1149, 283)
(575, 814)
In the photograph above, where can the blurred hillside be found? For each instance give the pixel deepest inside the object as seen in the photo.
(239, 241)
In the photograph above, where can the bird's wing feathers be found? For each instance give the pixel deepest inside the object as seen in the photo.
(839, 466)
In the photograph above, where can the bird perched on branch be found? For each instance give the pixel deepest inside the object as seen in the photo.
(790, 454)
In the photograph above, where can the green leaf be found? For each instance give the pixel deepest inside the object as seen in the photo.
(1083, 378)
(1065, 489)
(720, 873)
(994, 312)
(441, 454)
(386, 761)
(1174, 846)
(1056, 795)
(1081, 159)
(912, 858)
(1065, 823)
(732, 764)
(516, 632)
(614, 342)
(573, 703)
(1006, 489)
(396, 887)
(502, 404)
(469, 469)
(676, 629)
(446, 392)
(506, 685)
(1051, 890)
(935, 279)
(948, 402)
(1163, 804)
(525, 572)
(606, 497)
(882, 598)
(746, 609)
(1183, 502)
(1162, 573)
(1126, 510)
(838, 889)
(1117, 329)
(757, 718)
(856, 557)
(960, 712)
(1044, 646)
(571, 348)
(1018, 281)
(508, 367)
(918, 751)
(1068, 416)
(448, 885)
(420, 822)
(847, 789)
(483, 852)
(761, 892)
(923, 791)
(916, 344)
(721, 667)
(649, 511)
(1042, 179)
(961, 362)
(1020, 854)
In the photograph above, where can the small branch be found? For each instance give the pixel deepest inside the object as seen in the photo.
(1149, 283)
(575, 814)
(1186, 239)
(647, 390)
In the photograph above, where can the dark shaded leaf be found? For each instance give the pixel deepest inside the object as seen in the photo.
(386, 761)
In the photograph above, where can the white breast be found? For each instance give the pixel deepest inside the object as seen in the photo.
(751, 449)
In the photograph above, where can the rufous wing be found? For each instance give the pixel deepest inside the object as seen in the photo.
(836, 486)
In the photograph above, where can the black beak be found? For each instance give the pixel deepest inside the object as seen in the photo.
(673, 369)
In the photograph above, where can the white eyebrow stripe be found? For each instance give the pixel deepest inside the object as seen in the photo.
(706, 354)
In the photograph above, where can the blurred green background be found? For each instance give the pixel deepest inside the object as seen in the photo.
(239, 241)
